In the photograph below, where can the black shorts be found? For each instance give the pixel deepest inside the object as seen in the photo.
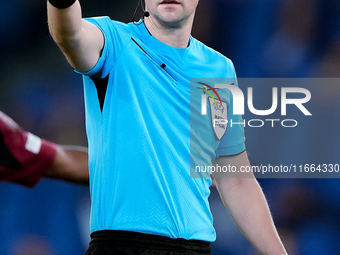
(112, 242)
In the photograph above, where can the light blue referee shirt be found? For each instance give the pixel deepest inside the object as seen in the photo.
(140, 137)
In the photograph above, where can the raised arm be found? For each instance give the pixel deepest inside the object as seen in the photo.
(245, 201)
(80, 41)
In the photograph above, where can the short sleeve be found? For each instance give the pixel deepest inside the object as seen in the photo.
(233, 142)
(114, 33)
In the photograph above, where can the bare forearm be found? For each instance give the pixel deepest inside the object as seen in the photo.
(80, 41)
(247, 205)
(70, 164)
(65, 24)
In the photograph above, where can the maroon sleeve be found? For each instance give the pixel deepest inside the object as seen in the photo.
(24, 157)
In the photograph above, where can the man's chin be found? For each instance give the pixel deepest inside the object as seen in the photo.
(171, 20)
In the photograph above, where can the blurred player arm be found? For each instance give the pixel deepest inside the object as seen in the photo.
(80, 41)
(70, 164)
(26, 158)
(246, 203)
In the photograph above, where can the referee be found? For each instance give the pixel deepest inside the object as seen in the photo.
(137, 100)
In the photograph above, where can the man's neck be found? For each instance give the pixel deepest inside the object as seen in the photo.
(177, 37)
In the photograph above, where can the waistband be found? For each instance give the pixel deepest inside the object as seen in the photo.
(130, 238)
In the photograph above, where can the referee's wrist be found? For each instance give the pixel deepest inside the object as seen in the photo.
(61, 4)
